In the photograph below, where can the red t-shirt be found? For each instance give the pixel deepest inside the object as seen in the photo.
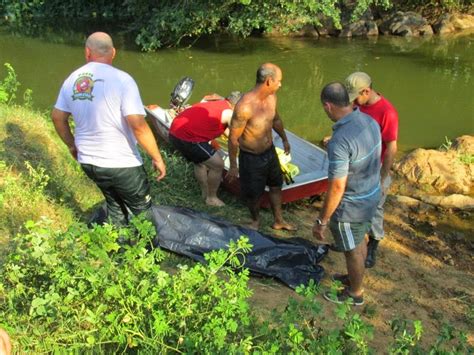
(386, 116)
(201, 122)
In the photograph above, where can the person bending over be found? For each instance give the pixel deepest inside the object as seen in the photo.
(190, 133)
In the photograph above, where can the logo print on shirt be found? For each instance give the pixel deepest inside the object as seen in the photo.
(83, 86)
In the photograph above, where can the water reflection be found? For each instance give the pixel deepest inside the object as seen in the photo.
(429, 80)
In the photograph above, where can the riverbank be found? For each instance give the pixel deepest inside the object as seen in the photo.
(424, 271)
(400, 20)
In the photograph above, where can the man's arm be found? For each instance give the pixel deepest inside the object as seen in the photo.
(238, 123)
(389, 157)
(280, 129)
(226, 118)
(333, 198)
(147, 141)
(61, 124)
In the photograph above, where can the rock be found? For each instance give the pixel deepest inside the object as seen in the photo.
(360, 28)
(455, 201)
(406, 24)
(464, 145)
(448, 23)
(327, 27)
(445, 172)
(405, 201)
(306, 31)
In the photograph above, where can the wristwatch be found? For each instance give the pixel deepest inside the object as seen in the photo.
(320, 223)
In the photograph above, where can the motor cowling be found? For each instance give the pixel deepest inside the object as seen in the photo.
(181, 92)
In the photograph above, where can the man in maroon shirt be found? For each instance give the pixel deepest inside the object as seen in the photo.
(190, 133)
(359, 86)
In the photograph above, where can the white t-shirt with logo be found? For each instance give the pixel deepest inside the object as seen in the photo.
(99, 97)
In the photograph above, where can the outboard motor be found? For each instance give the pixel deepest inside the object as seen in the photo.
(181, 92)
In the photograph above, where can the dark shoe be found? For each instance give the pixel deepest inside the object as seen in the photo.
(343, 297)
(342, 278)
(371, 253)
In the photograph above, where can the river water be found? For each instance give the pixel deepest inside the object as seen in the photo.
(429, 80)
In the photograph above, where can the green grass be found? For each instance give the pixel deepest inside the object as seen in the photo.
(38, 177)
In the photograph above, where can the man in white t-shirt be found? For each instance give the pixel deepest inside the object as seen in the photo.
(109, 121)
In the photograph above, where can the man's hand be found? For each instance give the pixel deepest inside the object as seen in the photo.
(232, 174)
(160, 168)
(318, 231)
(286, 147)
(325, 141)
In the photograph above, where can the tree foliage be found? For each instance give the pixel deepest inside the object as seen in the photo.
(167, 22)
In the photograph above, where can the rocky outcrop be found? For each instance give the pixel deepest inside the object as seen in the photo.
(449, 23)
(406, 24)
(360, 28)
(442, 172)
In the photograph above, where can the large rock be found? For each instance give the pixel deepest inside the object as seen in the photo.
(446, 172)
(406, 24)
(360, 28)
(449, 23)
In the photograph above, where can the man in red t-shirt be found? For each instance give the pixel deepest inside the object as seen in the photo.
(359, 86)
(191, 132)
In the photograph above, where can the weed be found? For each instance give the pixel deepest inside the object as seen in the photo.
(466, 158)
(9, 86)
(446, 145)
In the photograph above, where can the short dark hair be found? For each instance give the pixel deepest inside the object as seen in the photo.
(265, 71)
(335, 93)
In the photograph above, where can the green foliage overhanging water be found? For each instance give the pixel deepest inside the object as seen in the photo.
(167, 23)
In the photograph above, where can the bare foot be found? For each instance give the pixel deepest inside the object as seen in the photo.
(284, 226)
(214, 202)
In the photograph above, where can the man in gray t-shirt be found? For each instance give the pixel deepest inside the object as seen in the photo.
(354, 187)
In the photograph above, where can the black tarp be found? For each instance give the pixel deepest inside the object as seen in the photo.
(192, 233)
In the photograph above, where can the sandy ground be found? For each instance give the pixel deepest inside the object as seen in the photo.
(424, 271)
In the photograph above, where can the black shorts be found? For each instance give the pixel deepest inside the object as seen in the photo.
(257, 171)
(194, 152)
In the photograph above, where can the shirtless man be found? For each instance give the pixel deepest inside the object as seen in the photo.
(254, 117)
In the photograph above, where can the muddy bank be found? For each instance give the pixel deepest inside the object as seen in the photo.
(425, 265)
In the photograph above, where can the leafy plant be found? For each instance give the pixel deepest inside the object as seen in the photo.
(406, 339)
(466, 158)
(9, 86)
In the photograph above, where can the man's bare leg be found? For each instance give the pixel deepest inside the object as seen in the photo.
(355, 261)
(200, 172)
(254, 208)
(275, 202)
(215, 164)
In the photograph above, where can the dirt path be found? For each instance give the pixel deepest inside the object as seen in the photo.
(424, 271)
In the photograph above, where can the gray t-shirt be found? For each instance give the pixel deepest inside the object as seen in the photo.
(354, 151)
